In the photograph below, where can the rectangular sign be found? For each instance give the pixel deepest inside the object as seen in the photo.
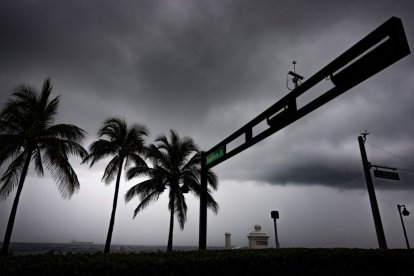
(387, 175)
(215, 155)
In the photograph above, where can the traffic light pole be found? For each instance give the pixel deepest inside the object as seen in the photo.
(202, 242)
(375, 52)
(371, 192)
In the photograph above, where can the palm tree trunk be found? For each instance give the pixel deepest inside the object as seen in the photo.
(10, 224)
(170, 234)
(112, 221)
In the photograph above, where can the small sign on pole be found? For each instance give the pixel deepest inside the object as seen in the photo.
(386, 174)
(215, 155)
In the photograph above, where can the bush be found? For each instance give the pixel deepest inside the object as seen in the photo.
(220, 262)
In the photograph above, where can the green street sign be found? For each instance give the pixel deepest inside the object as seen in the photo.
(386, 174)
(215, 155)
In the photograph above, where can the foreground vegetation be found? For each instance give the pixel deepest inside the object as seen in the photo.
(221, 262)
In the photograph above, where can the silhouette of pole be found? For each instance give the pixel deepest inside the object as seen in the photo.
(403, 226)
(202, 241)
(276, 238)
(275, 215)
(371, 192)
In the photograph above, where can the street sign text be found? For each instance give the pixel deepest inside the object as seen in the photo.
(215, 155)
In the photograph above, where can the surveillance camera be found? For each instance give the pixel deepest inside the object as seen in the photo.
(295, 75)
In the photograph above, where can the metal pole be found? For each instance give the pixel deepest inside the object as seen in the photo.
(372, 198)
(202, 242)
(277, 240)
(403, 226)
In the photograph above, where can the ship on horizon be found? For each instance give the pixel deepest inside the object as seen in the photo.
(80, 242)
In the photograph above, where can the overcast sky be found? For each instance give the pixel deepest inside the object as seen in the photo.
(204, 69)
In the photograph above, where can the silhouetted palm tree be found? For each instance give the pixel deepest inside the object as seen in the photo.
(176, 165)
(27, 133)
(125, 144)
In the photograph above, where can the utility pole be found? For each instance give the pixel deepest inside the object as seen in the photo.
(371, 192)
(202, 243)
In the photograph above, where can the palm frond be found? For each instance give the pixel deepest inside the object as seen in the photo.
(10, 126)
(132, 192)
(65, 178)
(134, 158)
(192, 182)
(21, 106)
(195, 187)
(99, 150)
(25, 93)
(161, 171)
(146, 201)
(193, 162)
(212, 179)
(56, 160)
(181, 209)
(114, 128)
(48, 108)
(162, 142)
(159, 158)
(10, 146)
(186, 148)
(38, 161)
(50, 111)
(211, 203)
(138, 171)
(11, 176)
(45, 93)
(65, 131)
(111, 170)
(144, 188)
(137, 132)
(68, 146)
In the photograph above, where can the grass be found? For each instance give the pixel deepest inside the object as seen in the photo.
(221, 262)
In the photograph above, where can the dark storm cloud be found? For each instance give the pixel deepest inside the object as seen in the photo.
(174, 64)
(347, 174)
(77, 43)
(209, 55)
(200, 54)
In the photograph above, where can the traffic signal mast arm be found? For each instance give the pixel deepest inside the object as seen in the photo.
(381, 48)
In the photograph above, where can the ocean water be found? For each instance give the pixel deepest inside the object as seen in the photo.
(64, 248)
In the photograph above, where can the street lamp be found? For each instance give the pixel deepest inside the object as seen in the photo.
(405, 213)
(275, 216)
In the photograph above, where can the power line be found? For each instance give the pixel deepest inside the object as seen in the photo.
(393, 154)
(410, 171)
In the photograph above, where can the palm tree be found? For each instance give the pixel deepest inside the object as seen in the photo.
(176, 165)
(125, 144)
(27, 133)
